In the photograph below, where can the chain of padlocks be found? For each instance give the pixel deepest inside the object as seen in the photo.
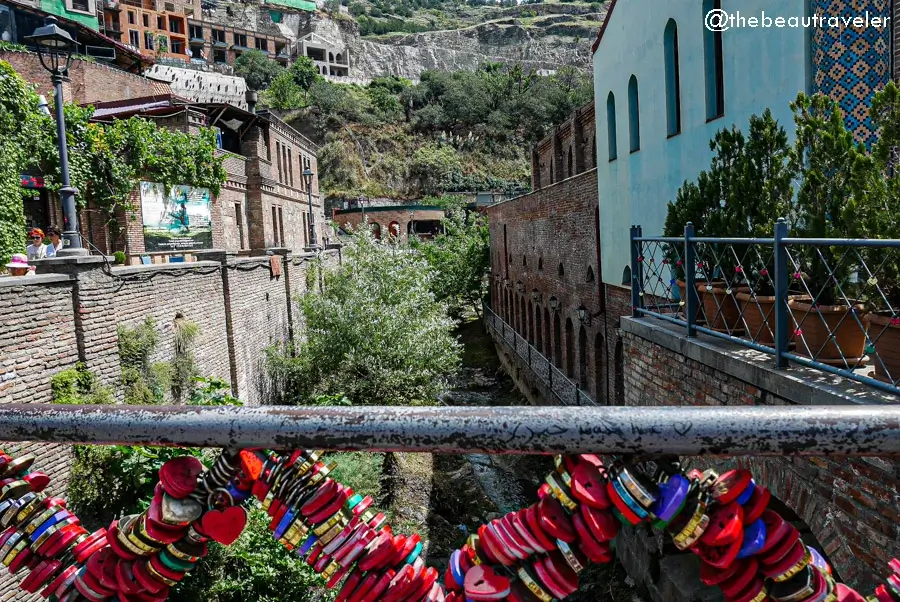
(536, 554)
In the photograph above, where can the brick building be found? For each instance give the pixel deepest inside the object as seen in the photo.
(392, 220)
(545, 262)
(265, 200)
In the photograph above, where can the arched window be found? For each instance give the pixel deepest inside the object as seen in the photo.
(547, 341)
(582, 358)
(611, 126)
(593, 151)
(524, 261)
(590, 274)
(599, 380)
(570, 349)
(634, 116)
(561, 271)
(713, 65)
(673, 79)
(557, 341)
(571, 163)
(626, 276)
(540, 263)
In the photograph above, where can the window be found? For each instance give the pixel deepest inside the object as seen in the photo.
(593, 151)
(131, 17)
(146, 20)
(219, 56)
(196, 31)
(305, 232)
(240, 39)
(239, 223)
(281, 226)
(262, 44)
(712, 65)
(177, 47)
(80, 5)
(218, 35)
(134, 38)
(175, 26)
(275, 227)
(148, 40)
(634, 116)
(673, 79)
(278, 158)
(290, 167)
(571, 163)
(160, 23)
(611, 126)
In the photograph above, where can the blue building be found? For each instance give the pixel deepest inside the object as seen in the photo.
(665, 83)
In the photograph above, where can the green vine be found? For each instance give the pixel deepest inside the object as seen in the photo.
(106, 161)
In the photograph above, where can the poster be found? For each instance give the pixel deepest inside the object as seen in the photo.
(176, 220)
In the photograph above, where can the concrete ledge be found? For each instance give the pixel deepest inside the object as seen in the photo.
(164, 267)
(34, 279)
(803, 385)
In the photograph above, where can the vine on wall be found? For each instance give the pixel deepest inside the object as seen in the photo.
(106, 161)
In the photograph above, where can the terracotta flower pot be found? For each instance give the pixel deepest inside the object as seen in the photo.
(884, 330)
(720, 307)
(849, 344)
(759, 316)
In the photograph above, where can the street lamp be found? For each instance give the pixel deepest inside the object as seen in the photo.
(308, 178)
(582, 313)
(55, 47)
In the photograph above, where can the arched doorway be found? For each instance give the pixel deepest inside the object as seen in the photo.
(599, 376)
(548, 342)
(570, 349)
(529, 326)
(538, 335)
(620, 374)
(394, 229)
(376, 230)
(582, 358)
(557, 341)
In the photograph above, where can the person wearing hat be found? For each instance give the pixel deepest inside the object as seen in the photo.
(56, 241)
(37, 249)
(18, 265)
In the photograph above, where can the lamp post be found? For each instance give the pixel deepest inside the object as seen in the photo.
(308, 178)
(55, 47)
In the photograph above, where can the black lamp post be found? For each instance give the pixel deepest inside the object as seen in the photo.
(55, 47)
(308, 179)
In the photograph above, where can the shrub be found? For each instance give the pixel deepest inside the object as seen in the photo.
(120, 257)
(79, 385)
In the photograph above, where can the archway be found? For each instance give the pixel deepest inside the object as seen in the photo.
(538, 335)
(582, 358)
(376, 230)
(570, 349)
(599, 375)
(529, 326)
(394, 229)
(548, 342)
(557, 341)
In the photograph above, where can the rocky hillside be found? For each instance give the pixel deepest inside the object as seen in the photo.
(537, 36)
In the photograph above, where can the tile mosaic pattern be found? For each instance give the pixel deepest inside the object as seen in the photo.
(849, 63)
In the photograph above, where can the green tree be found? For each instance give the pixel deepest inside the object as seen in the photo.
(304, 72)
(436, 167)
(283, 93)
(460, 255)
(375, 333)
(257, 69)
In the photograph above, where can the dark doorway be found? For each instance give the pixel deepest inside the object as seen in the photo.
(538, 333)
(529, 327)
(599, 375)
(582, 358)
(570, 349)
(557, 341)
(547, 340)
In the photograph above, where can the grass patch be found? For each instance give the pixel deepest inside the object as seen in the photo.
(359, 470)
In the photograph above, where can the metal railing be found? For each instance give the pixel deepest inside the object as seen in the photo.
(564, 389)
(645, 431)
(830, 304)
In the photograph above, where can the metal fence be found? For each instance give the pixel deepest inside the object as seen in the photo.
(830, 304)
(564, 389)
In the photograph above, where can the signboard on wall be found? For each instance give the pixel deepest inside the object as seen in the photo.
(177, 219)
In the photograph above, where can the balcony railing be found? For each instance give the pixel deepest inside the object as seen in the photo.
(564, 390)
(828, 304)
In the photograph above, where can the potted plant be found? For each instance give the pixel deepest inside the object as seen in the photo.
(833, 172)
(876, 218)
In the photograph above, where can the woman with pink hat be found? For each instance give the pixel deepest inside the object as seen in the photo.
(18, 265)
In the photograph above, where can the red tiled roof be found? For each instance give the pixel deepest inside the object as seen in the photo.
(609, 13)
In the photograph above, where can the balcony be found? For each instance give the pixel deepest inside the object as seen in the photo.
(197, 41)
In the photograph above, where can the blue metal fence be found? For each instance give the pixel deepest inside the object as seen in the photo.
(829, 304)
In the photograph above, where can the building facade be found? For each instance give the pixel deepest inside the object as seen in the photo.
(703, 81)
(399, 221)
(329, 59)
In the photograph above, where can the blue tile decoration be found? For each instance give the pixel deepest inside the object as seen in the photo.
(850, 64)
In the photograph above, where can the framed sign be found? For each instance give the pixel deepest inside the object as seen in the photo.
(177, 219)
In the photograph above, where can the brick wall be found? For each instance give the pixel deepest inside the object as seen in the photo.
(567, 151)
(849, 505)
(88, 82)
(384, 217)
(544, 250)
